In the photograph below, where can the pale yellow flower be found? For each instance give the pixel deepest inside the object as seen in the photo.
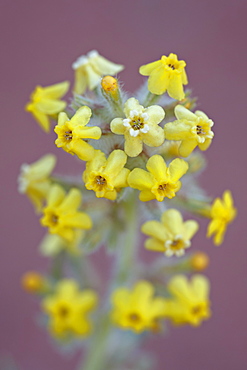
(160, 180)
(45, 103)
(68, 308)
(222, 213)
(34, 179)
(90, 68)
(192, 129)
(106, 176)
(71, 133)
(61, 215)
(190, 302)
(140, 126)
(137, 309)
(170, 236)
(167, 74)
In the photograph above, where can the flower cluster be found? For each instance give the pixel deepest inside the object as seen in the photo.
(139, 161)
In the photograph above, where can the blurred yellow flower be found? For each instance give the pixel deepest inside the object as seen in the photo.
(61, 215)
(68, 310)
(137, 309)
(160, 180)
(45, 102)
(193, 129)
(70, 133)
(222, 213)
(167, 74)
(90, 68)
(140, 126)
(190, 302)
(34, 179)
(170, 236)
(106, 176)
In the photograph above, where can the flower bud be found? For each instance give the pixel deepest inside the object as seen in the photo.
(199, 261)
(33, 282)
(109, 85)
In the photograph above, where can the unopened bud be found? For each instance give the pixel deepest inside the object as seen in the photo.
(109, 85)
(33, 282)
(199, 261)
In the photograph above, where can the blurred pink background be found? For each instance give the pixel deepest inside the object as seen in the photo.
(39, 42)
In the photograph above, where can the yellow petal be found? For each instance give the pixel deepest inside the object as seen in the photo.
(78, 220)
(72, 201)
(191, 228)
(146, 195)
(205, 145)
(156, 114)
(157, 167)
(55, 196)
(42, 119)
(82, 116)
(49, 106)
(56, 91)
(183, 113)
(132, 104)
(200, 285)
(93, 78)
(147, 69)
(187, 146)
(177, 168)
(156, 230)
(173, 221)
(104, 66)
(154, 137)
(158, 81)
(88, 132)
(132, 145)
(43, 167)
(117, 126)
(140, 179)
(80, 84)
(121, 180)
(154, 244)
(83, 150)
(115, 162)
(175, 88)
(178, 130)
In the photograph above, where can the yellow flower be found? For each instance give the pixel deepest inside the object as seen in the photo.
(169, 74)
(222, 213)
(33, 282)
(170, 236)
(45, 103)
(68, 310)
(140, 126)
(193, 129)
(199, 261)
(190, 303)
(137, 309)
(34, 179)
(61, 215)
(159, 181)
(71, 132)
(106, 176)
(90, 68)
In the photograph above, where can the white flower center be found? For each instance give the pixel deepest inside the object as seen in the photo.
(137, 123)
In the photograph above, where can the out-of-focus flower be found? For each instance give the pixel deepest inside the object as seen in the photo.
(167, 74)
(53, 244)
(170, 236)
(199, 261)
(34, 179)
(137, 309)
(193, 129)
(90, 68)
(190, 303)
(61, 215)
(68, 310)
(222, 213)
(106, 176)
(45, 102)
(159, 181)
(33, 282)
(140, 126)
(70, 133)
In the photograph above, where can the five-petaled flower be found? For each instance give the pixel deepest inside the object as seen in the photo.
(159, 181)
(189, 303)
(61, 215)
(140, 126)
(45, 103)
(90, 68)
(222, 213)
(167, 74)
(68, 309)
(106, 176)
(137, 309)
(193, 129)
(71, 132)
(34, 179)
(170, 236)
